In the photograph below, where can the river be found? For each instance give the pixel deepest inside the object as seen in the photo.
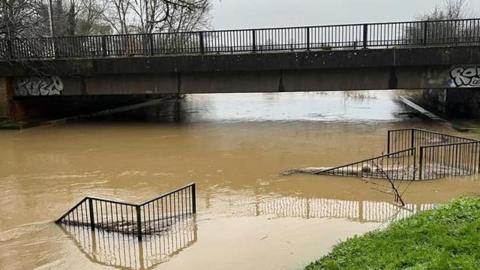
(234, 146)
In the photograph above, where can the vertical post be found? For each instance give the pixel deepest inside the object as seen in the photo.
(92, 216)
(254, 41)
(104, 45)
(412, 142)
(194, 199)
(414, 163)
(139, 223)
(150, 37)
(308, 38)
(202, 45)
(388, 141)
(420, 163)
(365, 36)
(50, 18)
(9, 48)
(425, 32)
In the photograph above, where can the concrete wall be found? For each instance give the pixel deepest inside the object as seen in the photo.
(405, 68)
(453, 102)
(4, 98)
(234, 82)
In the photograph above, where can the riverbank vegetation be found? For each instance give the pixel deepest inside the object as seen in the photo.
(444, 238)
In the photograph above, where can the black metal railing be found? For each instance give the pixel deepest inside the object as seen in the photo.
(453, 159)
(397, 165)
(149, 217)
(401, 139)
(464, 32)
(417, 154)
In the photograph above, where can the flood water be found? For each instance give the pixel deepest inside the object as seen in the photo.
(234, 147)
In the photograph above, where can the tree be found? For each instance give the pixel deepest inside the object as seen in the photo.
(436, 30)
(153, 16)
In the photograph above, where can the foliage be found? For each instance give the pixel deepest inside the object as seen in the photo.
(444, 238)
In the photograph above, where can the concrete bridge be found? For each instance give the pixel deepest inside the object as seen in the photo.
(399, 55)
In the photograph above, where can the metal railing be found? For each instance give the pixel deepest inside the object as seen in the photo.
(464, 32)
(417, 154)
(453, 159)
(397, 165)
(401, 139)
(149, 217)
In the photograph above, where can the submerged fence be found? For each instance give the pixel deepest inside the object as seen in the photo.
(465, 32)
(417, 154)
(396, 165)
(152, 216)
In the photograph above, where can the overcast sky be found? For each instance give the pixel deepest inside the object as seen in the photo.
(228, 14)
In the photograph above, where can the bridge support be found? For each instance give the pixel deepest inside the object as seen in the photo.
(3, 98)
(9, 107)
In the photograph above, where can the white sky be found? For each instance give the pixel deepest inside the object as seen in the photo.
(230, 14)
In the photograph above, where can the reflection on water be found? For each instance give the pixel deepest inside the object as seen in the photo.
(305, 106)
(359, 211)
(125, 251)
(235, 148)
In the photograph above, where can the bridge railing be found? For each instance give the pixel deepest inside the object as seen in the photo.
(348, 36)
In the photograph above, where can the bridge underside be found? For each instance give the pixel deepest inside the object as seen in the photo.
(245, 81)
(378, 69)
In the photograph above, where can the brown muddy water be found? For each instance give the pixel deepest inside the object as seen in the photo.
(234, 147)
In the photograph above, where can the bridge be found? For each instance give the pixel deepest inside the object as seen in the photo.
(394, 55)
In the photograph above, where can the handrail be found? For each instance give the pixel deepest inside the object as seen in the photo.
(370, 159)
(448, 144)
(71, 210)
(456, 32)
(167, 194)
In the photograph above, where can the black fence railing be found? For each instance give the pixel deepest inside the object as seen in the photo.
(417, 154)
(464, 32)
(149, 217)
(397, 165)
(401, 139)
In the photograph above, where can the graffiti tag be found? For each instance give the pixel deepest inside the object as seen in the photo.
(38, 86)
(466, 76)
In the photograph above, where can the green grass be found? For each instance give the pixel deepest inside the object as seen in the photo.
(444, 238)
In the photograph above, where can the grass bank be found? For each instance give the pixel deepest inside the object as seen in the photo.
(444, 238)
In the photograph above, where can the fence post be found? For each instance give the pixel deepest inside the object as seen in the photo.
(388, 141)
(420, 162)
(9, 48)
(414, 162)
(54, 46)
(412, 142)
(254, 40)
(92, 216)
(139, 223)
(194, 199)
(202, 44)
(365, 36)
(425, 32)
(104, 45)
(308, 38)
(150, 37)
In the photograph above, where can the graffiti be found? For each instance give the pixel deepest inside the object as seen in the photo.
(38, 86)
(465, 76)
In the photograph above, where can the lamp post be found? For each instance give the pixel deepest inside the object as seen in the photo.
(50, 18)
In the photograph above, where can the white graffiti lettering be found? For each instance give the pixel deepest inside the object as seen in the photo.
(465, 76)
(38, 86)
